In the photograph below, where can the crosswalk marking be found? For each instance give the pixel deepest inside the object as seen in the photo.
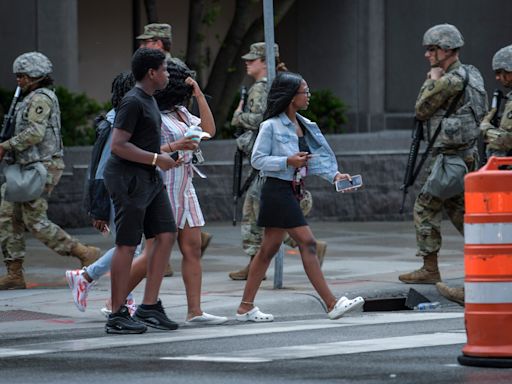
(330, 349)
(237, 330)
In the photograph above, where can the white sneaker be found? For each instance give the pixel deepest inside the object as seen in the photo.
(79, 288)
(344, 305)
(206, 319)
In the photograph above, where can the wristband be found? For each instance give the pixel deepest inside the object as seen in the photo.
(153, 163)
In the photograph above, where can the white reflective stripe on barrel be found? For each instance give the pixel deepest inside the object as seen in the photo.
(488, 293)
(488, 233)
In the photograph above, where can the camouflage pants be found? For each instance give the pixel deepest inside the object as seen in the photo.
(31, 215)
(252, 235)
(428, 213)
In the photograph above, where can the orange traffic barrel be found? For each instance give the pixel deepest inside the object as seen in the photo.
(488, 265)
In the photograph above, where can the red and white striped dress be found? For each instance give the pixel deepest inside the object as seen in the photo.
(178, 181)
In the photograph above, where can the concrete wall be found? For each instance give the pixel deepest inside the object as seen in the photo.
(379, 157)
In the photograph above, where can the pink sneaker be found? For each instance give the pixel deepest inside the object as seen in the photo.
(79, 288)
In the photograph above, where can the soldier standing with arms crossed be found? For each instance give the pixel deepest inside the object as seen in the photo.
(36, 138)
(450, 87)
(498, 139)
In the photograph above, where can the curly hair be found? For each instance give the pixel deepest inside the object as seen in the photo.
(145, 59)
(283, 89)
(177, 91)
(121, 84)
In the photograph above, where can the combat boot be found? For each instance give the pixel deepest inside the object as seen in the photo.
(205, 241)
(453, 294)
(14, 278)
(168, 271)
(243, 273)
(427, 274)
(86, 254)
(321, 248)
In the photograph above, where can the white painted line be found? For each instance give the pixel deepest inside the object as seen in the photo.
(330, 349)
(215, 332)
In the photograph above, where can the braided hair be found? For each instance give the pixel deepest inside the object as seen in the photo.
(122, 83)
(177, 91)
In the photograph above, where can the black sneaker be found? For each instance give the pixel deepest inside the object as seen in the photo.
(155, 318)
(122, 323)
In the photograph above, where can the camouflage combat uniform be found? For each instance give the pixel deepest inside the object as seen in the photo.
(499, 139)
(36, 137)
(456, 142)
(434, 99)
(250, 119)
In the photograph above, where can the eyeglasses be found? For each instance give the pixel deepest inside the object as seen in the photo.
(306, 92)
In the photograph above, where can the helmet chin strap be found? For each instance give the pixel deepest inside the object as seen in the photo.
(439, 62)
(29, 85)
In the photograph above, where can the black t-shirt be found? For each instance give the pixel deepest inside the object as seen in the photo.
(138, 114)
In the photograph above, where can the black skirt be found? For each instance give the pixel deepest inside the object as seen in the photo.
(279, 208)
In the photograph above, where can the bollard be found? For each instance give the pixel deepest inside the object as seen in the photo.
(488, 266)
(278, 268)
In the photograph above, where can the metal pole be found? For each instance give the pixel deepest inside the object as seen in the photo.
(268, 22)
(278, 268)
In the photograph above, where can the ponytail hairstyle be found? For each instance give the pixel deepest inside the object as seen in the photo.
(177, 91)
(283, 89)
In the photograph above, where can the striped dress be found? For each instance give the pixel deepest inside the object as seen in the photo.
(178, 181)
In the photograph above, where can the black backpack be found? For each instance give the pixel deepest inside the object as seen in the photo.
(96, 197)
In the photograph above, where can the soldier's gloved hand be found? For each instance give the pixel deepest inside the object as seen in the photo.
(486, 125)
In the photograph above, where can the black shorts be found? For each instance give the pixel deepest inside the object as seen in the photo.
(279, 208)
(140, 202)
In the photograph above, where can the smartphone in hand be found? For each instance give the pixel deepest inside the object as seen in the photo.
(346, 184)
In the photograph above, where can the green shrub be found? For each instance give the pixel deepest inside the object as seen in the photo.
(77, 115)
(77, 112)
(327, 110)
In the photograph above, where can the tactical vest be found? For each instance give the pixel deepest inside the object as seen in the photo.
(460, 130)
(51, 145)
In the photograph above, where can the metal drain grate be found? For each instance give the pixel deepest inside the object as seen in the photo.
(21, 315)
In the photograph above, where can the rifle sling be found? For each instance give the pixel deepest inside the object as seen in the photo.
(449, 111)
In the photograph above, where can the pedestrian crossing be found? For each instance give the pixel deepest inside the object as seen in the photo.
(263, 354)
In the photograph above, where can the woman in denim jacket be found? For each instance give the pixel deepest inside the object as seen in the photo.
(288, 147)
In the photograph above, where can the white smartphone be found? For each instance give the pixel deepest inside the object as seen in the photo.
(346, 184)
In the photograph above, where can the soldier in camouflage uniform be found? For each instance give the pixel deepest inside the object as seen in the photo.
(457, 140)
(498, 139)
(37, 137)
(248, 117)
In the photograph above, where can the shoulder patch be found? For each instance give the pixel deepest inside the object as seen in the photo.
(39, 109)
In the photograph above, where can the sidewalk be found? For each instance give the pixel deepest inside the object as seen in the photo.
(363, 258)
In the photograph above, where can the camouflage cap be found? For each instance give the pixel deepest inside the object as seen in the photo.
(257, 51)
(33, 64)
(152, 31)
(503, 59)
(445, 36)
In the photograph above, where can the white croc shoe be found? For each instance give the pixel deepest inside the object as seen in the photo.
(255, 315)
(206, 319)
(344, 305)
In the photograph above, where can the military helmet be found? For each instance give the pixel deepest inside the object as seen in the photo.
(445, 36)
(503, 59)
(33, 64)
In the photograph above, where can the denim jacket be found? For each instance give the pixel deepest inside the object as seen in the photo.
(277, 139)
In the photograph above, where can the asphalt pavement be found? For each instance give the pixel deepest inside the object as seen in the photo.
(363, 258)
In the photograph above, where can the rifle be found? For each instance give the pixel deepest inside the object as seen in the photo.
(410, 174)
(497, 96)
(7, 125)
(237, 180)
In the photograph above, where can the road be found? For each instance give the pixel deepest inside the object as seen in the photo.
(401, 347)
